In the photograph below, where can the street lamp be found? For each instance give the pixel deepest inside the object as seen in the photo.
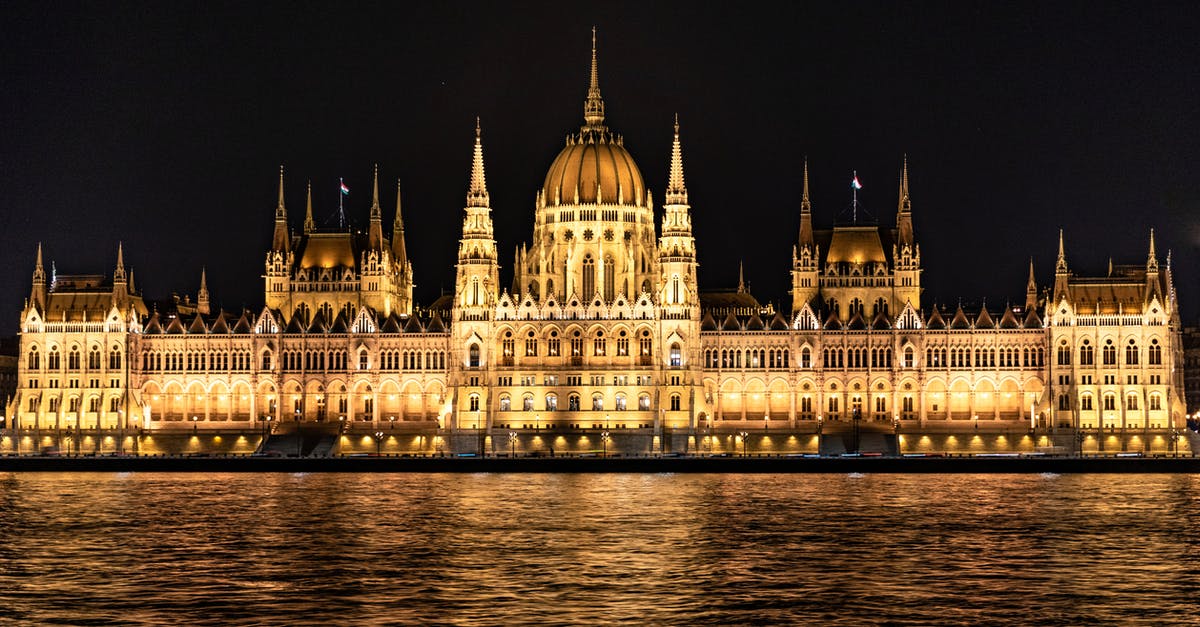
(512, 443)
(604, 441)
(392, 420)
(766, 423)
(537, 419)
(744, 435)
(378, 442)
(975, 418)
(195, 426)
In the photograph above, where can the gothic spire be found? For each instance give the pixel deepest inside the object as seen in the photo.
(904, 208)
(375, 230)
(202, 306)
(119, 271)
(281, 239)
(593, 107)
(398, 249)
(806, 230)
(1031, 289)
(309, 225)
(1060, 266)
(478, 194)
(1152, 258)
(676, 191)
(741, 279)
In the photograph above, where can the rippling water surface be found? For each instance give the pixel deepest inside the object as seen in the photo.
(229, 549)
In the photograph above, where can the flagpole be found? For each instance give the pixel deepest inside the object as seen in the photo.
(854, 201)
(341, 198)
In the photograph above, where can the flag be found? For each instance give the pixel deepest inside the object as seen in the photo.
(854, 183)
(345, 190)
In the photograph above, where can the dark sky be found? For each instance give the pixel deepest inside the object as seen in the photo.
(164, 125)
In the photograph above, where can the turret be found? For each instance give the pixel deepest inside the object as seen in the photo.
(1031, 289)
(202, 302)
(478, 273)
(399, 251)
(804, 254)
(281, 240)
(679, 292)
(37, 295)
(904, 210)
(121, 287)
(1061, 273)
(1153, 287)
(375, 230)
(309, 225)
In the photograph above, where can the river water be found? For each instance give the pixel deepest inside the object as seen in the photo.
(487, 549)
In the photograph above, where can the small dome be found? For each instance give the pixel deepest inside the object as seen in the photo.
(594, 158)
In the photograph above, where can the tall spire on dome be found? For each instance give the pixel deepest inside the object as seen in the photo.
(676, 190)
(478, 194)
(593, 107)
(281, 240)
(375, 230)
(806, 229)
(309, 224)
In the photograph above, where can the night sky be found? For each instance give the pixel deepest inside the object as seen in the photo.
(164, 126)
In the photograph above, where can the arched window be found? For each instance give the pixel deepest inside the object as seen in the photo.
(505, 403)
(676, 297)
(675, 402)
(620, 401)
(610, 279)
(1064, 354)
(805, 357)
(1155, 401)
(1131, 402)
(552, 402)
(597, 402)
(94, 359)
(1131, 353)
(1087, 354)
(1110, 402)
(473, 402)
(527, 402)
(1085, 402)
(1110, 353)
(644, 402)
(676, 355)
(73, 359)
(589, 278)
(114, 358)
(473, 356)
(909, 358)
(1155, 353)
(573, 402)
(34, 361)
(54, 361)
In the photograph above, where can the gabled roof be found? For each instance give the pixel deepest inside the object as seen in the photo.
(393, 324)
(731, 323)
(219, 325)
(856, 322)
(881, 321)
(1009, 321)
(984, 320)
(339, 324)
(935, 320)
(318, 324)
(154, 325)
(197, 325)
(175, 327)
(413, 326)
(294, 326)
(778, 323)
(707, 323)
(1032, 320)
(243, 325)
(832, 323)
(755, 323)
(960, 320)
(435, 324)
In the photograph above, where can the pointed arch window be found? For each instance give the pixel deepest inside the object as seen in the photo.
(610, 279)
(589, 277)
(1155, 353)
(34, 361)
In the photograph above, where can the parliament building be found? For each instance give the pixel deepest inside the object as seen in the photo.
(604, 340)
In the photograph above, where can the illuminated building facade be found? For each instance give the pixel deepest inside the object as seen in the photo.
(605, 333)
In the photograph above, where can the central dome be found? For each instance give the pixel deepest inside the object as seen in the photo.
(595, 166)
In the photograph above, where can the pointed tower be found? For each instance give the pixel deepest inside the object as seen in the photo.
(1031, 289)
(593, 107)
(375, 230)
(120, 280)
(478, 278)
(906, 254)
(741, 288)
(37, 295)
(309, 224)
(281, 241)
(678, 290)
(1061, 273)
(804, 255)
(277, 278)
(1153, 286)
(202, 302)
(402, 267)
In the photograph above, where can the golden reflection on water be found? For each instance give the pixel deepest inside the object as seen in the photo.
(228, 549)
